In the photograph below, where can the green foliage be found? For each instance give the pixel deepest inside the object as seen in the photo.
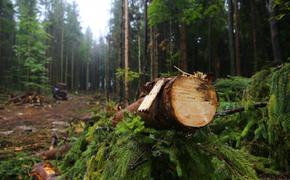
(284, 8)
(182, 11)
(74, 164)
(120, 73)
(241, 146)
(265, 131)
(279, 115)
(133, 151)
(259, 87)
(231, 88)
(17, 167)
(30, 48)
(158, 12)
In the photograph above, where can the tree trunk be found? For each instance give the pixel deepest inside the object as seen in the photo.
(66, 67)
(209, 44)
(126, 51)
(145, 62)
(274, 33)
(153, 53)
(237, 37)
(183, 101)
(254, 37)
(72, 69)
(139, 54)
(231, 37)
(155, 50)
(61, 56)
(107, 78)
(183, 47)
(88, 84)
(169, 70)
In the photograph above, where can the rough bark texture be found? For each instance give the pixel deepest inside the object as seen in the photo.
(231, 37)
(274, 33)
(183, 101)
(44, 171)
(183, 47)
(237, 38)
(126, 50)
(254, 36)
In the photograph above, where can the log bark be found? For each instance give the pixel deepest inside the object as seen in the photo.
(44, 171)
(183, 101)
(26, 98)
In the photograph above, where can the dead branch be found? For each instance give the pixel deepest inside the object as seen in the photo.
(241, 109)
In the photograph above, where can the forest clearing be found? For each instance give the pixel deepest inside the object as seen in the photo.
(185, 89)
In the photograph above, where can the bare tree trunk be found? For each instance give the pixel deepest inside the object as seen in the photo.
(274, 33)
(72, 69)
(66, 67)
(170, 47)
(155, 63)
(254, 37)
(153, 53)
(237, 37)
(209, 44)
(231, 37)
(107, 78)
(126, 51)
(118, 83)
(61, 56)
(119, 90)
(183, 47)
(145, 64)
(139, 54)
(88, 84)
(152, 43)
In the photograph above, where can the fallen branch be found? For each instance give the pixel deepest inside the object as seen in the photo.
(183, 72)
(241, 109)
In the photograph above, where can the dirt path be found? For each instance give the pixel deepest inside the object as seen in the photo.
(26, 128)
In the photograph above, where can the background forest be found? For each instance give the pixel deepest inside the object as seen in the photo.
(42, 42)
(244, 45)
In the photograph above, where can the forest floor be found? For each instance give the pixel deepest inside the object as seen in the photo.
(26, 128)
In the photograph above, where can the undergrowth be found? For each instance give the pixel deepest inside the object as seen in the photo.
(17, 167)
(247, 145)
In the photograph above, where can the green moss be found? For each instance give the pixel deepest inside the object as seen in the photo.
(259, 87)
(278, 124)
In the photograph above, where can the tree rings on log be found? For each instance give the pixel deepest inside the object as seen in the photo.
(193, 100)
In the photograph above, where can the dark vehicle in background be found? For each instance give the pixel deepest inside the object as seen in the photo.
(59, 91)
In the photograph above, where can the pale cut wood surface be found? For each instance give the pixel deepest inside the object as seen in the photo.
(149, 99)
(194, 101)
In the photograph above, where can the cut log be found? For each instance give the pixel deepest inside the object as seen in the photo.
(182, 101)
(44, 171)
(26, 98)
